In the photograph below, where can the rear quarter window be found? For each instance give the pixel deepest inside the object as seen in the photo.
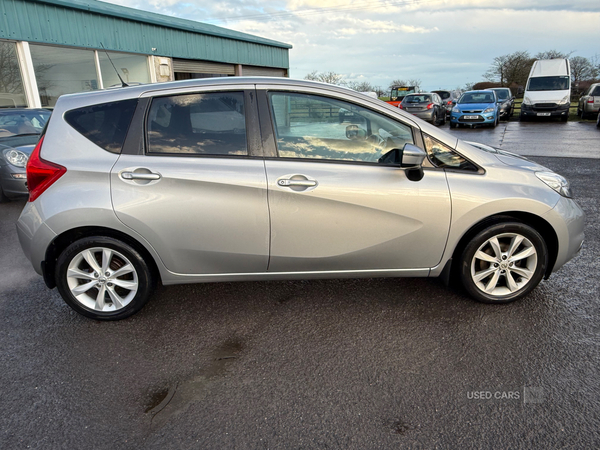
(105, 124)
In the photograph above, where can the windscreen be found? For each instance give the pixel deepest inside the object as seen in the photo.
(557, 83)
(477, 97)
(502, 94)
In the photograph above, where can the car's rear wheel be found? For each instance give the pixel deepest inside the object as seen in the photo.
(103, 278)
(503, 262)
(434, 119)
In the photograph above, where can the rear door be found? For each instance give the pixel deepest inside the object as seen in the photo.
(191, 182)
(333, 206)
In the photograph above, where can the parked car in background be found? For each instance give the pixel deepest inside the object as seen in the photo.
(449, 98)
(251, 179)
(476, 108)
(427, 106)
(548, 90)
(589, 102)
(19, 131)
(506, 102)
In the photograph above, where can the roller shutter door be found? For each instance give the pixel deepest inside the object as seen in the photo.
(192, 66)
(253, 71)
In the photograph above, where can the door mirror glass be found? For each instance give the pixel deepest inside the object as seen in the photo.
(354, 133)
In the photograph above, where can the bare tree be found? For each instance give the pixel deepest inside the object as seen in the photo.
(553, 54)
(582, 69)
(361, 86)
(326, 77)
(509, 69)
(410, 82)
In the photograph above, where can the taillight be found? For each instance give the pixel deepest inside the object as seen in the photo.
(430, 106)
(41, 174)
(400, 106)
(449, 102)
(591, 100)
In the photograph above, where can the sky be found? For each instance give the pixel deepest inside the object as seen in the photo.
(443, 43)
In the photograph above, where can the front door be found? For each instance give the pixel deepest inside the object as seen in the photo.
(333, 206)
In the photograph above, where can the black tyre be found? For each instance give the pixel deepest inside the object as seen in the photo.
(564, 118)
(3, 198)
(434, 119)
(443, 119)
(503, 263)
(103, 278)
(452, 125)
(523, 118)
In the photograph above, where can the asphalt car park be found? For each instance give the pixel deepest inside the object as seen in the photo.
(371, 363)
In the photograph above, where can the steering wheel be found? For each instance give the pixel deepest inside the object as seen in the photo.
(378, 145)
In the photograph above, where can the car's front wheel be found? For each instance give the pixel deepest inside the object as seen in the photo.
(103, 278)
(503, 262)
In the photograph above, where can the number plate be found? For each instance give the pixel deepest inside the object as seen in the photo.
(470, 117)
(543, 114)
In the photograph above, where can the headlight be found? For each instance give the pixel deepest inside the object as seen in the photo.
(527, 101)
(455, 109)
(565, 100)
(556, 182)
(488, 110)
(15, 157)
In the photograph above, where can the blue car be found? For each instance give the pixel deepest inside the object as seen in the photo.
(476, 108)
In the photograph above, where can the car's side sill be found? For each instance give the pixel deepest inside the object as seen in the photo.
(177, 278)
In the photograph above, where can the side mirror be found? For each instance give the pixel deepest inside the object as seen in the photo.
(411, 157)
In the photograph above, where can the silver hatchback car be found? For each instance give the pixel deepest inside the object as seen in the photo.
(256, 178)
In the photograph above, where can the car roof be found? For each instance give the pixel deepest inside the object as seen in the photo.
(6, 111)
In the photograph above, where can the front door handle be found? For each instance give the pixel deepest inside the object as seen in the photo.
(140, 176)
(303, 183)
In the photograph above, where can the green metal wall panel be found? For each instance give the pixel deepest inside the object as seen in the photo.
(55, 22)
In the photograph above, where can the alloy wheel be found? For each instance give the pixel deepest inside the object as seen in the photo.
(504, 264)
(102, 279)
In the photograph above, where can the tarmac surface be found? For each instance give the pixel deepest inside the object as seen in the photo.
(327, 364)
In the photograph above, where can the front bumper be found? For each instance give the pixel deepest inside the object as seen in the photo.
(481, 118)
(568, 220)
(13, 181)
(545, 110)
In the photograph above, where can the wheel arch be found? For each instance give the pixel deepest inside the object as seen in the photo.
(63, 240)
(534, 221)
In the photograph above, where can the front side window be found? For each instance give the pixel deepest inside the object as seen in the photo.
(315, 127)
(201, 124)
(443, 156)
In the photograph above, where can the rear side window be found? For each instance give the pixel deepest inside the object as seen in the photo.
(202, 124)
(596, 91)
(105, 125)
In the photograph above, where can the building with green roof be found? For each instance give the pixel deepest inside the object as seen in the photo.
(54, 47)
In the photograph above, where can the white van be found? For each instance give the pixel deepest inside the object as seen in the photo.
(548, 90)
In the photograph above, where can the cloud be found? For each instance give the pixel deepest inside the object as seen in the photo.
(445, 43)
